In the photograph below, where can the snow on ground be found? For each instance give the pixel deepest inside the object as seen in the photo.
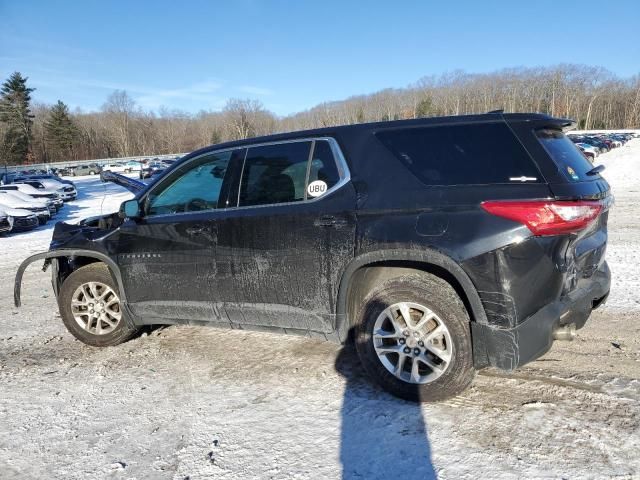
(622, 171)
(187, 402)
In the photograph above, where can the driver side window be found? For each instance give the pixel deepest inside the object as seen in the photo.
(194, 188)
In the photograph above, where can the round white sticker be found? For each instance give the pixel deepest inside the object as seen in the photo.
(317, 188)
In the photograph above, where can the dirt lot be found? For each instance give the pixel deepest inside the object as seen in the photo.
(186, 402)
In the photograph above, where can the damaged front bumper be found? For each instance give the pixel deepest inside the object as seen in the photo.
(510, 348)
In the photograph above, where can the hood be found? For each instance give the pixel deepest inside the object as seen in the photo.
(24, 198)
(8, 202)
(17, 212)
(126, 182)
(90, 229)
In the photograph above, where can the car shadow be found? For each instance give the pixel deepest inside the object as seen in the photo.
(381, 436)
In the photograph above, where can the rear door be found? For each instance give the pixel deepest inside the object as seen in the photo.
(281, 252)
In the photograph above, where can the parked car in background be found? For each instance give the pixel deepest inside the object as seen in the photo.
(168, 162)
(35, 193)
(79, 170)
(588, 155)
(433, 243)
(64, 171)
(39, 210)
(132, 166)
(603, 148)
(151, 169)
(45, 177)
(115, 167)
(66, 192)
(20, 220)
(6, 221)
(39, 203)
(590, 149)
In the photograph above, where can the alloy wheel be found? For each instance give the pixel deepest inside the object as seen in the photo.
(412, 342)
(96, 308)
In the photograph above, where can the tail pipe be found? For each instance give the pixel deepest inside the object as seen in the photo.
(565, 332)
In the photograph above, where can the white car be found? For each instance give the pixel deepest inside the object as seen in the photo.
(66, 192)
(589, 148)
(34, 192)
(116, 167)
(132, 166)
(18, 219)
(6, 221)
(39, 209)
(43, 202)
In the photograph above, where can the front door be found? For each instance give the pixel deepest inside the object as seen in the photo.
(280, 254)
(167, 258)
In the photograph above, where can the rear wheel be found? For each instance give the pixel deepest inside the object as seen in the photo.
(413, 338)
(90, 307)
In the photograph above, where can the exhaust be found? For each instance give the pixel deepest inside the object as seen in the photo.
(565, 332)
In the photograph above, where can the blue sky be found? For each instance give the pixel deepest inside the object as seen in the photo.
(292, 55)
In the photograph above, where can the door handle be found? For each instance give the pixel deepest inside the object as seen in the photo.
(329, 221)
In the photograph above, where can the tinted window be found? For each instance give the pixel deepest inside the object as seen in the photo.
(195, 187)
(275, 174)
(565, 154)
(323, 165)
(461, 154)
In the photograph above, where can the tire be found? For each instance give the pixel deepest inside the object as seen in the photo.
(439, 298)
(94, 272)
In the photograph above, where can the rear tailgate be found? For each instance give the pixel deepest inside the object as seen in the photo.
(575, 180)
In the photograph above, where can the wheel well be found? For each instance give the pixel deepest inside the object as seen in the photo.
(369, 276)
(67, 265)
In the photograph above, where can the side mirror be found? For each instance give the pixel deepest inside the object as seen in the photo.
(130, 209)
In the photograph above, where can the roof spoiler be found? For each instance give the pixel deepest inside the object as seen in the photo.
(565, 123)
(129, 183)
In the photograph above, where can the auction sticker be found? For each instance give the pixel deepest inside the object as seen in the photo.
(570, 171)
(317, 188)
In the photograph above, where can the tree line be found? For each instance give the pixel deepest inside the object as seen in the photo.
(39, 133)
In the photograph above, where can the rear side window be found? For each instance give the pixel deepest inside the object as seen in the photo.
(565, 154)
(288, 172)
(275, 174)
(479, 153)
(323, 165)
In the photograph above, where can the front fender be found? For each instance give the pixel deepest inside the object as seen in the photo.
(66, 252)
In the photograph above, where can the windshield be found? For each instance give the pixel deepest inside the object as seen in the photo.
(569, 159)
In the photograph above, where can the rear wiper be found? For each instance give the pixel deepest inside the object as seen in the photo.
(595, 170)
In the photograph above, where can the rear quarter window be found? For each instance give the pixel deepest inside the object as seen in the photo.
(567, 157)
(481, 153)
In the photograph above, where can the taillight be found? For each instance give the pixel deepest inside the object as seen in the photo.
(547, 217)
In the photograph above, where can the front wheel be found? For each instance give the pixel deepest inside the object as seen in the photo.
(413, 338)
(90, 307)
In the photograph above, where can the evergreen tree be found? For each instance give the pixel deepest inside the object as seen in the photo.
(16, 118)
(424, 108)
(60, 131)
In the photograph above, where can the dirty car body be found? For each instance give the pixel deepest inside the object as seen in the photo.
(299, 261)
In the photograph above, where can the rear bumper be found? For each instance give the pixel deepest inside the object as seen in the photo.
(509, 348)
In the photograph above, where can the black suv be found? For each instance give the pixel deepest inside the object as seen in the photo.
(440, 245)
